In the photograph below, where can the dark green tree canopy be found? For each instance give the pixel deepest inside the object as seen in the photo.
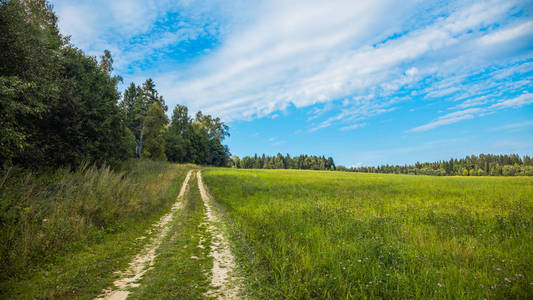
(302, 162)
(58, 106)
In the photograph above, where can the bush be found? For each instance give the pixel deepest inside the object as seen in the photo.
(41, 213)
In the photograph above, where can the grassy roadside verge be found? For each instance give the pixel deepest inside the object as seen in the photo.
(330, 235)
(181, 269)
(64, 234)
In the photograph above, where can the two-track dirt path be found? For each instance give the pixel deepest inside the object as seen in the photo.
(224, 282)
(144, 260)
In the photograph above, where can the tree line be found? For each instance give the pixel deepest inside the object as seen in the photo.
(302, 162)
(482, 165)
(61, 107)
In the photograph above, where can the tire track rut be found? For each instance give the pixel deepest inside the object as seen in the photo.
(224, 282)
(144, 260)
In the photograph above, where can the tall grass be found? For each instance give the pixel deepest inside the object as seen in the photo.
(332, 235)
(44, 214)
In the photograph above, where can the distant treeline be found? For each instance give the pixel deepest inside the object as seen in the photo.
(303, 162)
(482, 165)
(60, 107)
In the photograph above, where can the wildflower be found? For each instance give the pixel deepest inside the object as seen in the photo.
(439, 285)
(358, 260)
(498, 269)
(481, 286)
(507, 280)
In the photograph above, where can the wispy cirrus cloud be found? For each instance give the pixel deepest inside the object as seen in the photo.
(516, 126)
(514, 102)
(255, 58)
(138, 32)
(471, 113)
(311, 53)
(353, 126)
(449, 119)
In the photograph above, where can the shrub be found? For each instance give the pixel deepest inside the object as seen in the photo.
(41, 213)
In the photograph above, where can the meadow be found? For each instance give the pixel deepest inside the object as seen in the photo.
(64, 233)
(335, 235)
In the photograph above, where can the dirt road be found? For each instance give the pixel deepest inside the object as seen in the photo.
(224, 282)
(144, 260)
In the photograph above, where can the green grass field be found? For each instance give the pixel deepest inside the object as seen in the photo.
(294, 234)
(310, 234)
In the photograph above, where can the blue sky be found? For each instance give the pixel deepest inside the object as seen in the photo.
(367, 82)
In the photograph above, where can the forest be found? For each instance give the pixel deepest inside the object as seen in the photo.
(302, 162)
(472, 165)
(60, 107)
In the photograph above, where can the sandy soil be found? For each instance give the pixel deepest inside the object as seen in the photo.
(224, 283)
(144, 260)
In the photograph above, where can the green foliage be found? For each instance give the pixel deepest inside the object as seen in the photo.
(197, 140)
(156, 121)
(13, 136)
(58, 106)
(177, 136)
(302, 162)
(29, 41)
(86, 124)
(336, 235)
(175, 146)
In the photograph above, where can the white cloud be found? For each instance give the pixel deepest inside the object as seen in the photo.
(508, 34)
(514, 102)
(353, 126)
(448, 119)
(412, 71)
(470, 113)
(310, 52)
(135, 31)
(514, 126)
(473, 102)
(277, 53)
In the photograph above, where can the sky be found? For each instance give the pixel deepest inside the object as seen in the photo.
(366, 82)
